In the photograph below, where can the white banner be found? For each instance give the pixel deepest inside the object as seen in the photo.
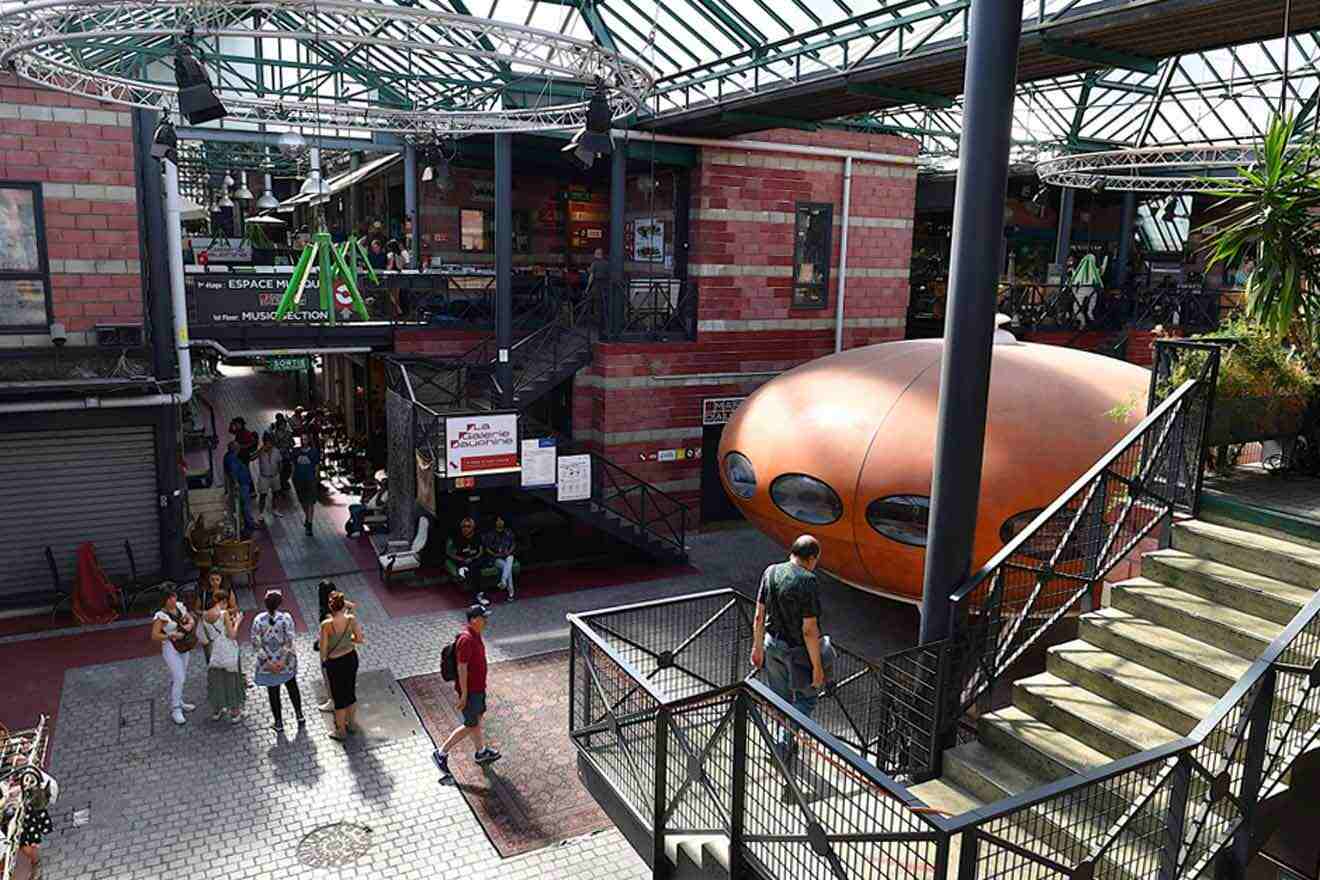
(222, 250)
(539, 459)
(574, 477)
(482, 443)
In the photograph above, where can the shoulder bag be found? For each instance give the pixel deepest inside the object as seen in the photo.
(188, 641)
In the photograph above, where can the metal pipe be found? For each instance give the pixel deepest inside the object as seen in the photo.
(616, 297)
(1125, 224)
(267, 352)
(409, 195)
(178, 301)
(969, 325)
(843, 254)
(769, 147)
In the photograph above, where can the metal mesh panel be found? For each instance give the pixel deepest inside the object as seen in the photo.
(402, 466)
(699, 777)
(817, 814)
(906, 740)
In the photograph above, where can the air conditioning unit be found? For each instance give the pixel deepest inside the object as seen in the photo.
(119, 335)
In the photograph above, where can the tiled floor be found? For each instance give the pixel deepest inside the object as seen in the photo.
(217, 801)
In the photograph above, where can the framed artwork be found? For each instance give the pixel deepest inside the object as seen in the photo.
(24, 268)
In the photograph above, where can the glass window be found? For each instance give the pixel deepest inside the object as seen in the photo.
(24, 270)
(473, 230)
(740, 474)
(806, 499)
(902, 518)
(811, 255)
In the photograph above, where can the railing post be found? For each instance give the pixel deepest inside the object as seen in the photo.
(738, 809)
(967, 855)
(1176, 819)
(660, 867)
(1211, 380)
(1238, 853)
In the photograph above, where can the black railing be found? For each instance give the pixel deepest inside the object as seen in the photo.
(659, 710)
(639, 503)
(652, 310)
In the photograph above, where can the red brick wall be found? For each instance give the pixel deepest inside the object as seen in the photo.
(81, 151)
(637, 399)
(436, 343)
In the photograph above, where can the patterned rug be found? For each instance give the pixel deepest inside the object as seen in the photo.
(531, 797)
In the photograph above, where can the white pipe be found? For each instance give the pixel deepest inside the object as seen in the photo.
(267, 352)
(843, 255)
(767, 147)
(174, 244)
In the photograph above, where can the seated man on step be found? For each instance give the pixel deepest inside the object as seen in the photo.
(463, 554)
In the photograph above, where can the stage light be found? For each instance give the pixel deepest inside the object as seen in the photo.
(165, 142)
(197, 102)
(314, 185)
(243, 192)
(291, 142)
(1098, 185)
(593, 139)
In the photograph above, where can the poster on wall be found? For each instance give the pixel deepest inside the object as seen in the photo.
(574, 478)
(481, 444)
(20, 249)
(221, 250)
(648, 240)
(539, 458)
(247, 299)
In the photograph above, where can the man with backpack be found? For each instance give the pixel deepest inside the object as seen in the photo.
(464, 663)
(786, 637)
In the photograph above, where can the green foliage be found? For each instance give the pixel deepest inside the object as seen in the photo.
(1269, 222)
(1259, 365)
(257, 236)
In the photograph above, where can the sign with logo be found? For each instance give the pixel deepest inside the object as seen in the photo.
(539, 458)
(247, 299)
(481, 444)
(718, 410)
(222, 250)
(286, 364)
(574, 478)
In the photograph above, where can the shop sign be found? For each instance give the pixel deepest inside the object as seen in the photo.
(481, 444)
(221, 250)
(247, 299)
(648, 245)
(718, 410)
(573, 478)
(287, 364)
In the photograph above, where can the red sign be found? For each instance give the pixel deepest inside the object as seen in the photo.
(489, 462)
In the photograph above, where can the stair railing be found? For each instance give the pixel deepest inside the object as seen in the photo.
(628, 496)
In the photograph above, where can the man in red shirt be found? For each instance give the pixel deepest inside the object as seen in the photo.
(470, 651)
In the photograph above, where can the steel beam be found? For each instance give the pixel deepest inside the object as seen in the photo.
(1126, 222)
(618, 201)
(994, 31)
(381, 143)
(763, 122)
(504, 266)
(1099, 55)
(410, 194)
(906, 96)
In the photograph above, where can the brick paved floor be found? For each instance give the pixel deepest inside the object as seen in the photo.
(223, 802)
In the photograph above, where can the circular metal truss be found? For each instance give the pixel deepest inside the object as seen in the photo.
(1157, 170)
(44, 42)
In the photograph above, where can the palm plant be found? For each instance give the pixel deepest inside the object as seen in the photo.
(1270, 222)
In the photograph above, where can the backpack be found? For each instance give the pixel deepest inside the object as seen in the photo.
(449, 661)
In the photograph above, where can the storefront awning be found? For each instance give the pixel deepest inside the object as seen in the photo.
(341, 182)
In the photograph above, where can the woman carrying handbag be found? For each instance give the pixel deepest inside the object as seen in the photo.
(225, 689)
(176, 632)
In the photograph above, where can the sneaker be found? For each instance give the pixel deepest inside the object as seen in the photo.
(482, 600)
(177, 715)
(509, 596)
(187, 707)
(486, 756)
(441, 761)
(327, 706)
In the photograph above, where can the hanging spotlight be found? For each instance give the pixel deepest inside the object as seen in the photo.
(165, 142)
(291, 142)
(228, 182)
(1098, 185)
(268, 202)
(314, 185)
(243, 192)
(225, 201)
(197, 102)
(593, 139)
(1170, 210)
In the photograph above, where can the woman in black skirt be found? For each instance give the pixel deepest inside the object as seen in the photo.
(341, 634)
(38, 790)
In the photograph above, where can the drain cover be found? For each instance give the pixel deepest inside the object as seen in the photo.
(331, 846)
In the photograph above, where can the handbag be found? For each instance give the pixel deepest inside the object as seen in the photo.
(189, 639)
(224, 652)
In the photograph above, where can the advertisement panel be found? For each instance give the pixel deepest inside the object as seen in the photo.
(574, 478)
(482, 443)
(247, 299)
(538, 462)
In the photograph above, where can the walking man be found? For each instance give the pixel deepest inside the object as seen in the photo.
(306, 459)
(238, 478)
(786, 638)
(470, 651)
(269, 461)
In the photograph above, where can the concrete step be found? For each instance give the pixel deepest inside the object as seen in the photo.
(986, 774)
(1247, 591)
(1225, 509)
(698, 856)
(1181, 657)
(1271, 556)
(1036, 747)
(1088, 717)
(945, 796)
(1138, 688)
(1195, 616)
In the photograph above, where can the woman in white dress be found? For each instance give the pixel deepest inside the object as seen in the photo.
(225, 689)
(174, 628)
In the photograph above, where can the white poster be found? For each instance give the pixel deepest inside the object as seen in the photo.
(649, 240)
(574, 477)
(222, 250)
(539, 458)
(481, 444)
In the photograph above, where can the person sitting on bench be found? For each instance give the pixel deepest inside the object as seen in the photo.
(498, 544)
(464, 557)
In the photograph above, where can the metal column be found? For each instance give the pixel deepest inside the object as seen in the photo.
(969, 324)
(504, 266)
(1125, 225)
(153, 242)
(614, 299)
(410, 197)
(1064, 240)
(354, 162)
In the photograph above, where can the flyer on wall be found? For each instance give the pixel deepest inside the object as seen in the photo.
(539, 462)
(574, 481)
(481, 444)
